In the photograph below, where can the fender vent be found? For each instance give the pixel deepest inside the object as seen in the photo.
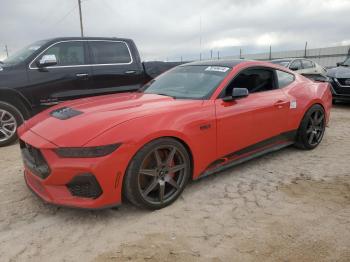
(65, 113)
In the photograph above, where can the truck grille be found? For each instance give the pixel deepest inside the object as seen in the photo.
(34, 160)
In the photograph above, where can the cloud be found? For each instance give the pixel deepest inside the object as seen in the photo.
(171, 29)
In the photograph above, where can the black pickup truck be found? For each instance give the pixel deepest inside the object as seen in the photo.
(50, 71)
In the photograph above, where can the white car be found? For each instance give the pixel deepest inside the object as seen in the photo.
(302, 66)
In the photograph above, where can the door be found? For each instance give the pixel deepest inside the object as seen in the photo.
(234, 125)
(114, 69)
(260, 117)
(70, 78)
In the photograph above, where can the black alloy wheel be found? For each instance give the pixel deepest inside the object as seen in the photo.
(312, 128)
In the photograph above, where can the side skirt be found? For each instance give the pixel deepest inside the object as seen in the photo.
(246, 155)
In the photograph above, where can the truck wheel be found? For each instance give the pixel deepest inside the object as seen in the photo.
(10, 119)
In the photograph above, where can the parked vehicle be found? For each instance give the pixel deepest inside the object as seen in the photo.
(303, 66)
(340, 80)
(50, 71)
(192, 121)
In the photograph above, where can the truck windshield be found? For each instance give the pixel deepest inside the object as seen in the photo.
(22, 54)
(188, 82)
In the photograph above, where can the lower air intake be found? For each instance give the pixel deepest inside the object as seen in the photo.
(85, 185)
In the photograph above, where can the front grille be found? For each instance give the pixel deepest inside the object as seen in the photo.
(85, 185)
(340, 88)
(34, 160)
(344, 81)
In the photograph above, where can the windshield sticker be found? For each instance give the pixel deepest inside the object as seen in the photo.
(217, 69)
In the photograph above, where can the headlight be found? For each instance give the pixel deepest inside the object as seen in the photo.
(86, 152)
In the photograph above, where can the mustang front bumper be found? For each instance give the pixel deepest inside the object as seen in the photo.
(76, 182)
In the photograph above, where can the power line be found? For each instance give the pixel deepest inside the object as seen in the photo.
(64, 17)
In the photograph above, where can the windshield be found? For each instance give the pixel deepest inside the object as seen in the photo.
(188, 82)
(284, 63)
(23, 54)
(347, 62)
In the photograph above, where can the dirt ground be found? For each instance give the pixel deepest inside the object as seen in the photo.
(290, 205)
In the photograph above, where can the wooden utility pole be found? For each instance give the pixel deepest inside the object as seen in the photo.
(81, 19)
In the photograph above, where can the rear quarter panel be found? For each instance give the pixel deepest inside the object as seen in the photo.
(306, 93)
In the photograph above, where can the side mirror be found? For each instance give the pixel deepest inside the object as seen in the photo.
(47, 60)
(237, 93)
(339, 63)
(293, 68)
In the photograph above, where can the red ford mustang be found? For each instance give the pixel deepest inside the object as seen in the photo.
(192, 121)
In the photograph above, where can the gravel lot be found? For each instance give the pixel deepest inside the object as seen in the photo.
(290, 205)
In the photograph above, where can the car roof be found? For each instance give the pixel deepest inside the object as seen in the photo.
(86, 38)
(284, 59)
(225, 63)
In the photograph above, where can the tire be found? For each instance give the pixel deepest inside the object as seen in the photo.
(157, 174)
(10, 119)
(312, 128)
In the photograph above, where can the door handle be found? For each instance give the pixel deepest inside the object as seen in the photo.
(82, 75)
(280, 103)
(130, 72)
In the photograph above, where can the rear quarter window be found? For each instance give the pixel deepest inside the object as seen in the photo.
(284, 78)
(104, 52)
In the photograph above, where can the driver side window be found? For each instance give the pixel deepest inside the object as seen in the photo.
(255, 80)
(67, 53)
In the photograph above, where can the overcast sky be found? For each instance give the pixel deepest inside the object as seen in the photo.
(169, 29)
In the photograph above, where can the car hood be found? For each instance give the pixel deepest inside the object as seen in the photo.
(89, 117)
(339, 72)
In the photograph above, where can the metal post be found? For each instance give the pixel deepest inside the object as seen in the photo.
(7, 51)
(211, 54)
(181, 59)
(218, 55)
(240, 53)
(305, 49)
(81, 19)
(270, 55)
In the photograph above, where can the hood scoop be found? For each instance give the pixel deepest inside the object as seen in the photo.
(65, 113)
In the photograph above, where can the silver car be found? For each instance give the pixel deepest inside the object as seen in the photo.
(302, 66)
